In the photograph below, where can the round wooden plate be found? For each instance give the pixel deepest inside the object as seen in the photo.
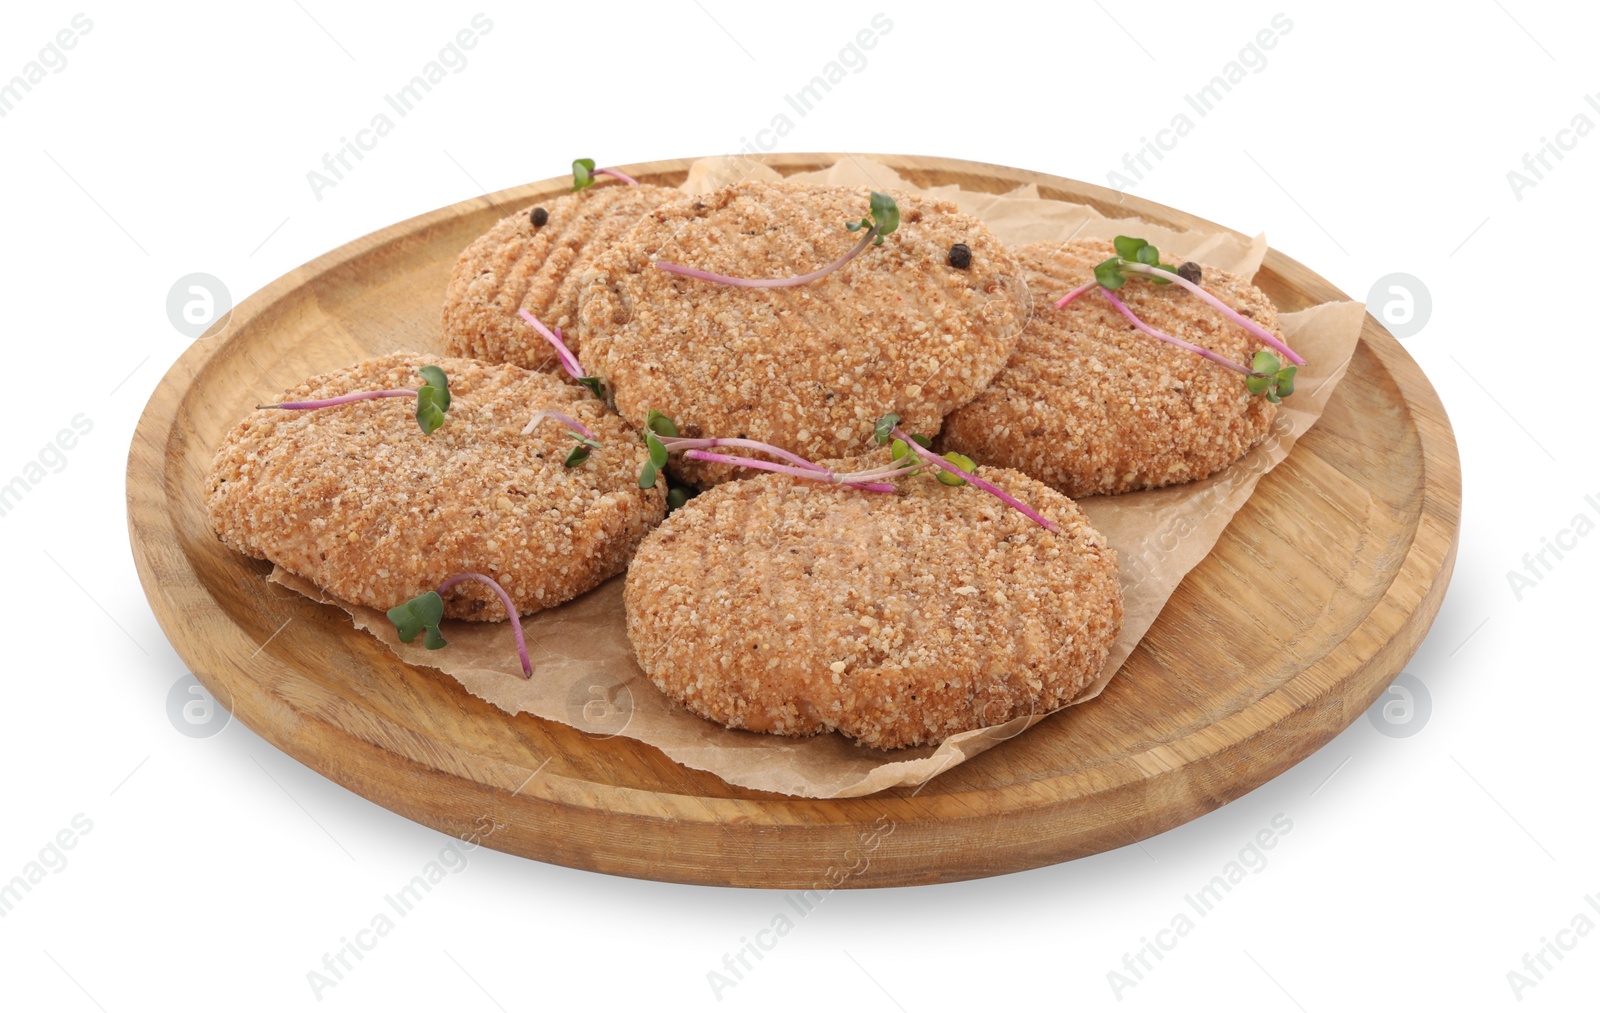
(1359, 525)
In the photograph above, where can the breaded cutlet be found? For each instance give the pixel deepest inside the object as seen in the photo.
(357, 499)
(1091, 405)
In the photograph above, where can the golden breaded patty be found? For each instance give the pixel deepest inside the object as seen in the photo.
(791, 607)
(1090, 405)
(518, 265)
(810, 368)
(357, 499)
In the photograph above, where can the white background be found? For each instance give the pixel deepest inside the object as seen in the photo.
(218, 872)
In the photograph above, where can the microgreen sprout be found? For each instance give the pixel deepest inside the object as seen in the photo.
(426, 610)
(955, 469)
(1269, 379)
(656, 425)
(884, 427)
(420, 613)
(662, 438)
(961, 461)
(882, 219)
(1275, 383)
(1131, 252)
(585, 437)
(569, 362)
(898, 450)
(909, 454)
(584, 172)
(433, 399)
(1136, 256)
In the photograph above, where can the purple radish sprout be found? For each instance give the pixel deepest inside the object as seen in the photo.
(332, 402)
(1204, 353)
(813, 472)
(433, 399)
(568, 360)
(511, 611)
(682, 443)
(993, 490)
(1266, 336)
(617, 174)
(1080, 290)
(566, 420)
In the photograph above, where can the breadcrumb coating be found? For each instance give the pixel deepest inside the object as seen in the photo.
(517, 265)
(357, 499)
(809, 368)
(792, 607)
(1090, 405)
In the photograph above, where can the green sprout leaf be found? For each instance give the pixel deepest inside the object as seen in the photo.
(922, 441)
(439, 382)
(961, 461)
(1128, 247)
(430, 414)
(1270, 377)
(596, 387)
(898, 451)
(647, 475)
(885, 214)
(1109, 273)
(582, 173)
(660, 424)
(1131, 250)
(433, 398)
(420, 613)
(1286, 381)
(577, 455)
(677, 496)
(658, 451)
(885, 427)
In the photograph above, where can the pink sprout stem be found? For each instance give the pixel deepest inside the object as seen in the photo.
(616, 174)
(1266, 336)
(568, 360)
(1204, 353)
(365, 395)
(813, 472)
(803, 279)
(988, 487)
(566, 420)
(683, 443)
(1080, 290)
(511, 610)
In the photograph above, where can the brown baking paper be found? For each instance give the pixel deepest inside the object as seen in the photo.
(584, 670)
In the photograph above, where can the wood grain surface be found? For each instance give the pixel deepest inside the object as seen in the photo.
(1359, 523)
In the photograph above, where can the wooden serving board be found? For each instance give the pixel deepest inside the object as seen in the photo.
(1360, 522)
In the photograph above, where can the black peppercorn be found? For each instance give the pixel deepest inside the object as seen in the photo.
(961, 256)
(1189, 271)
(539, 217)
